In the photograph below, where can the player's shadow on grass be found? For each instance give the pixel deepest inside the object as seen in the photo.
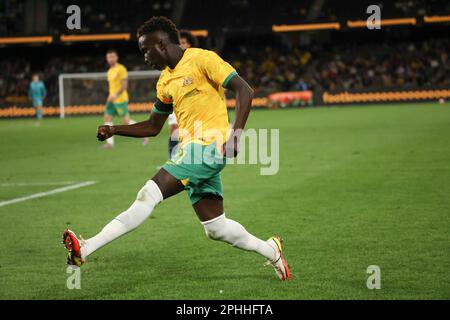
(186, 268)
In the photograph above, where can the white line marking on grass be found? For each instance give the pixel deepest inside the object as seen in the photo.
(47, 193)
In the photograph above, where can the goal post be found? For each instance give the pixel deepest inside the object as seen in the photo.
(79, 90)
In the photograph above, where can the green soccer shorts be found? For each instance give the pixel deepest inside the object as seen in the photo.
(197, 165)
(116, 109)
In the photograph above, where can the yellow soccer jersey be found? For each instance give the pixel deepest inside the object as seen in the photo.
(115, 76)
(195, 90)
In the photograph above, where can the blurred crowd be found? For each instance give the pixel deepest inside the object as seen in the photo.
(388, 66)
(399, 65)
(97, 16)
(120, 16)
(11, 17)
(104, 17)
(268, 69)
(15, 80)
(347, 67)
(356, 9)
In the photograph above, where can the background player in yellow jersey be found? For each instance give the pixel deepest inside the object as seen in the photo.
(192, 85)
(117, 101)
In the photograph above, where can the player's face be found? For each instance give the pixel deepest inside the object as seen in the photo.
(35, 78)
(153, 50)
(184, 44)
(111, 58)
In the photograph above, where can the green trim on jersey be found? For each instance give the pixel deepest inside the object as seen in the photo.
(227, 79)
(162, 108)
(156, 110)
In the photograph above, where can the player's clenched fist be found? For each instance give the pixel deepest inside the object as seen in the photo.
(105, 132)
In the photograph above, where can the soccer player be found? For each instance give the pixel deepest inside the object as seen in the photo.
(117, 102)
(37, 93)
(191, 84)
(187, 40)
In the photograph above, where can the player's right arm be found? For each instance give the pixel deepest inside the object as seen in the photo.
(147, 128)
(162, 108)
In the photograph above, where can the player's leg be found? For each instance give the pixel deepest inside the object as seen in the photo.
(160, 187)
(37, 103)
(122, 110)
(218, 227)
(107, 120)
(127, 120)
(39, 112)
(206, 194)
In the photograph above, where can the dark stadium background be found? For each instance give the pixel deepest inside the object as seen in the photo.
(404, 56)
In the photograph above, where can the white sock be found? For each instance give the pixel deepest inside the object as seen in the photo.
(109, 140)
(131, 121)
(147, 199)
(232, 232)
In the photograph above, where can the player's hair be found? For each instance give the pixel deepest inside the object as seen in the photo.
(160, 24)
(112, 51)
(186, 34)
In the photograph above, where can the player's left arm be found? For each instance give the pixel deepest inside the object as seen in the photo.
(244, 95)
(123, 87)
(44, 91)
(222, 73)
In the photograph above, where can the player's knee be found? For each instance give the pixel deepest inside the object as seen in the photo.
(147, 198)
(214, 234)
(216, 229)
(150, 193)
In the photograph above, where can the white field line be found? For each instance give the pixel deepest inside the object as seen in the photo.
(47, 193)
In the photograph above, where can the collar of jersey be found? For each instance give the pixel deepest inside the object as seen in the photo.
(179, 62)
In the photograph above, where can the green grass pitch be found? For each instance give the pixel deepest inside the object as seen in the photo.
(357, 186)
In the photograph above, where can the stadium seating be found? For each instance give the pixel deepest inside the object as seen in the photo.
(406, 58)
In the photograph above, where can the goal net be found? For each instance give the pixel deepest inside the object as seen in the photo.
(86, 93)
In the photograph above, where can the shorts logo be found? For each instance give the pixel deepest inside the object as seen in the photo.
(187, 81)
